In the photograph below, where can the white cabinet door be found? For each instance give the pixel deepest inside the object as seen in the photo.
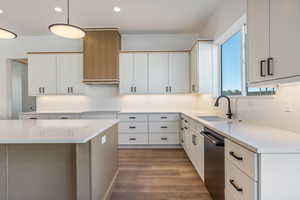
(193, 72)
(70, 74)
(258, 39)
(158, 73)
(126, 73)
(179, 72)
(140, 73)
(284, 38)
(42, 74)
(205, 67)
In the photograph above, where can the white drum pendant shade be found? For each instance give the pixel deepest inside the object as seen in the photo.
(6, 34)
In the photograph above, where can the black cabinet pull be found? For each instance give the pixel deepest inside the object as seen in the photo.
(33, 118)
(64, 118)
(132, 139)
(132, 117)
(164, 117)
(68, 90)
(194, 140)
(132, 127)
(164, 138)
(262, 69)
(186, 128)
(231, 181)
(235, 156)
(163, 127)
(270, 67)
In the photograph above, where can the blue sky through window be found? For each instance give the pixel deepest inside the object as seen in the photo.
(231, 65)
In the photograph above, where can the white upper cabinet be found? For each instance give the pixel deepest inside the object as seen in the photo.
(42, 79)
(133, 73)
(158, 73)
(55, 74)
(201, 68)
(205, 67)
(179, 72)
(154, 72)
(126, 73)
(140, 73)
(194, 69)
(284, 37)
(273, 40)
(69, 74)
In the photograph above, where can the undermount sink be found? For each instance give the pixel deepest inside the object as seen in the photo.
(211, 118)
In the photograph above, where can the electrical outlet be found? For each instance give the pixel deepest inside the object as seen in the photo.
(103, 139)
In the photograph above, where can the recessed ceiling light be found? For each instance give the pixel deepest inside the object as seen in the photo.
(1, 11)
(58, 9)
(117, 9)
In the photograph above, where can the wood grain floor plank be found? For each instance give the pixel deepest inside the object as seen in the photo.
(165, 174)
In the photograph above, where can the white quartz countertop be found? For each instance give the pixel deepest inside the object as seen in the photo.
(51, 131)
(68, 111)
(257, 138)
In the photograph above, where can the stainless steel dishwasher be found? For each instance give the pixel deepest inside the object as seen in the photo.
(214, 163)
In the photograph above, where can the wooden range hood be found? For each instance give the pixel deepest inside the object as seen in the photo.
(101, 56)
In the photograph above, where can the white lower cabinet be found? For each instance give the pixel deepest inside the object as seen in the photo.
(193, 143)
(132, 139)
(238, 184)
(148, 129)
(163, 138)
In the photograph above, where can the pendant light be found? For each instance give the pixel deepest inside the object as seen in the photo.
(67, 30)
(6, 34)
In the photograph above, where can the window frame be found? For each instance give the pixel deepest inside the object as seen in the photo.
(239, 26)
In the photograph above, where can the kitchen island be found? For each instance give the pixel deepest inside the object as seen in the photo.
(58, 159)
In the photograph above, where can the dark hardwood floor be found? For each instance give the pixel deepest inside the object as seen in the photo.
(157, 175)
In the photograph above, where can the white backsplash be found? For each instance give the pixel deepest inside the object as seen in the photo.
(280, 111)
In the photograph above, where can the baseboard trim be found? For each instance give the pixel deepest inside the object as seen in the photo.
(109, 191)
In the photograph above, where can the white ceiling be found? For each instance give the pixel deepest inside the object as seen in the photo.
(32, 17)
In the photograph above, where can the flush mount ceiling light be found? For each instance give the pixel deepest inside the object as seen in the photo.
(1, 11)
(6, 34)
(67, 30)
(58, 9)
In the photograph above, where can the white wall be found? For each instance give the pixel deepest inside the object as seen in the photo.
(160, 42)
(224, 16)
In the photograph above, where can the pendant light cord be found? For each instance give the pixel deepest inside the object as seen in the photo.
(68, 11)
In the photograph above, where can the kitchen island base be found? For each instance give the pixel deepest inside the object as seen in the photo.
(60, 171)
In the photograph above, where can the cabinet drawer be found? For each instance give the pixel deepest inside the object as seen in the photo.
(163, 117)
(164, 127)
(133, 117)
(133, 127)
(133, 138)
(238, 184)
(163, 139)
(244, 159)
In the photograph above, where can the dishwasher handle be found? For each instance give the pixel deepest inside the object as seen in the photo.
(212, 139)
